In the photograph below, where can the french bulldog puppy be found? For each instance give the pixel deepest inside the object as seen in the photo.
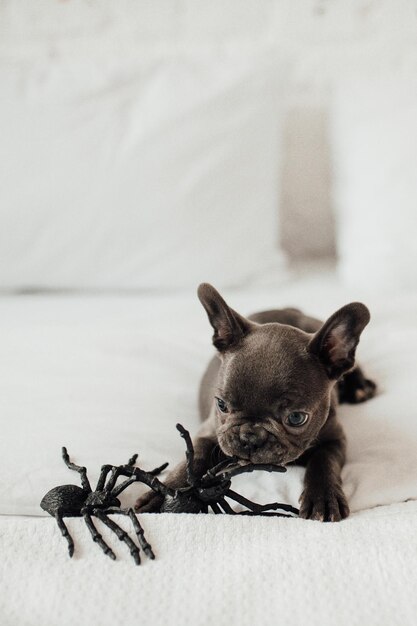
(270, 396)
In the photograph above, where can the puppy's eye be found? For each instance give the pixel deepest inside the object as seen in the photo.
(297, 418)
(222, 406)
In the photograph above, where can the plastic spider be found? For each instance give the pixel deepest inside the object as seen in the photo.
(202, 493)
(214, 487)
(74, 501)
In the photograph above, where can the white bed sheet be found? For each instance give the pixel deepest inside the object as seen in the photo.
(110, 375)
(216, 571)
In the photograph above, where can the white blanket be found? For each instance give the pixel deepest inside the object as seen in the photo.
(110, 375)
(213, 570)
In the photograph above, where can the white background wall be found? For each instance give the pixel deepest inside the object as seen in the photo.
(319, 42)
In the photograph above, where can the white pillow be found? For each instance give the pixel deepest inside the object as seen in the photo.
(155, 170)
(375, 150)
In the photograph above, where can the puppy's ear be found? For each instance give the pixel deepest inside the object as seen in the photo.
(335, 343)
(229, 326)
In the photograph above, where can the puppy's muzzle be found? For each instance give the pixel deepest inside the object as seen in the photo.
(252, 438)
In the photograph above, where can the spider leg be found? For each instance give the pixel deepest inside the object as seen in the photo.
(135, 473)
(189, 454)
(65, 533)
(226, 507)
(264, 514)
(242, 500)
(105, 469)
(121, 534)
(159, 469)
(118, 490)
(97, 538)
(148, 478)
(215, 507)
(212, 472)
(133, 460)
(259, 508)
(273, 506)
(77, 468)
(152, 481)
(114, 475)
(244, 469)
(120, 470)
(140, 533)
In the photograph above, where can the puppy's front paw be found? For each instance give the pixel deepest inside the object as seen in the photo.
(326, 504)
(149, 502)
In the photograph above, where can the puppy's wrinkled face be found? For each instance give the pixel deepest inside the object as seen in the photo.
(275, 381)
(272, 398)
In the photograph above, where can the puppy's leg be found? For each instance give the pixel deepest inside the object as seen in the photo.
(353, 387)
(323, 498)
(150, 501)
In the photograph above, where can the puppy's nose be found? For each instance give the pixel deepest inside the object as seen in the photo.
(252, 439)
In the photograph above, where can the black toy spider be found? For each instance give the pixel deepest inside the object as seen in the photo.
(214, 487)
(211, 490)
(74, 501)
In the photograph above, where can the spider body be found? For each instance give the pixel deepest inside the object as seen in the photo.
(75, 501)
(101, 500)
(67, 500)
(72, 501)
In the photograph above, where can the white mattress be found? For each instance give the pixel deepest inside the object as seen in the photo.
(109, 375)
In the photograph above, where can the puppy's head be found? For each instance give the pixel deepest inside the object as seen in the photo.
(275, 381)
